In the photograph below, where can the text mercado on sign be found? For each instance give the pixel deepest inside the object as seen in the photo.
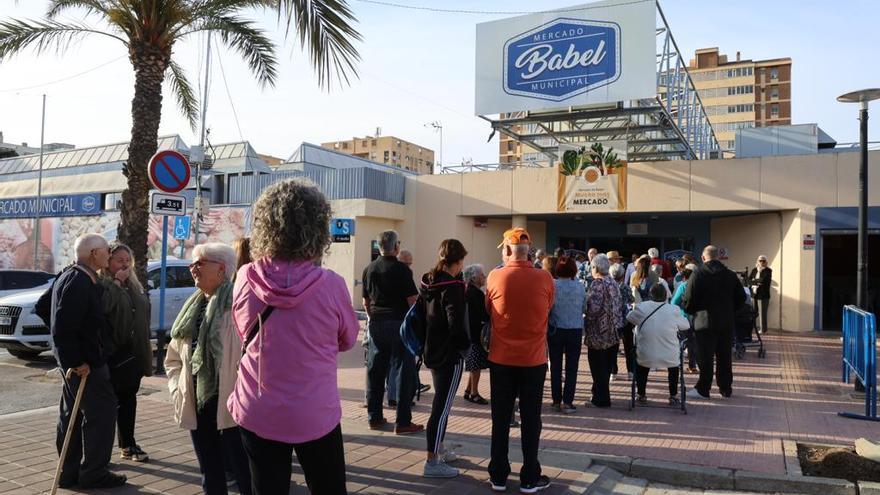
(53, 206)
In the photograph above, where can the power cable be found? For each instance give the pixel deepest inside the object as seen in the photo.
(67, 78)
(496, 12)
(228, 94)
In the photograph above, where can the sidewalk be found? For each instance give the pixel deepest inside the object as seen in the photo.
(793, 394)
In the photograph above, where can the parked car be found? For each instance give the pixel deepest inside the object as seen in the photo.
(14, 281)
(24, 334)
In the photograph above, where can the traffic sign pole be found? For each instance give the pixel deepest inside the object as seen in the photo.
(161, 333)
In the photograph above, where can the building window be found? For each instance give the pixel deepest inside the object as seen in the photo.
(386, 157)
(774, 73)
(774, 93)
(345, 146)
(774, 111)
(510, 146)
(373, 142)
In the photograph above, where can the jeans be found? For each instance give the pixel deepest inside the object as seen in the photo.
(508, 383)
(385, 343)
(564, 342)
(601, 361)
(322, 461)
(714, 351)
(126, 381)
(391, 379)
(212, 446)
(446, 382)
(91, 442)
(642, 380)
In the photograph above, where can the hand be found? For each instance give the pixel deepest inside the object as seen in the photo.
(82, 370)
(123, 274)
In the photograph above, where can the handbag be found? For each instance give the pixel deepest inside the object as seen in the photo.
(701, 320)
(486, 335)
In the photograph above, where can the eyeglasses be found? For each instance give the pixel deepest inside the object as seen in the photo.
(199, 263)
(762, 261)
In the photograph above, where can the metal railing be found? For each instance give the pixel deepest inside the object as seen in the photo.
(860, 357)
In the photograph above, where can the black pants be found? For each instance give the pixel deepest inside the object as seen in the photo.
(564, 342)
(642, 379)
(692, 347)
(322, 461)
(629, 349)
(601, 362)
(508, 383)
(446, 382)
(212, 446)
(384, 343)
(714, 353)
(763, 305)
(91, 442)
(126, 381)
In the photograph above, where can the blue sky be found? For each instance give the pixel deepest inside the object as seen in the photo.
(417, 67)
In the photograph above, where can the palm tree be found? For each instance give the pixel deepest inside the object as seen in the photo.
(150, 29)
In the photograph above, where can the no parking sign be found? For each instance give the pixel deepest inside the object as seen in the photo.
(169, 171)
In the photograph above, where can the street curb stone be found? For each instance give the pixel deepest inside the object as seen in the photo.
(771, 482)
(682, 474)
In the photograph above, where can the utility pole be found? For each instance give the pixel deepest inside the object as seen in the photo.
(197, 204)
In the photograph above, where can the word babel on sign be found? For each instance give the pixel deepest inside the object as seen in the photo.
(562, 58)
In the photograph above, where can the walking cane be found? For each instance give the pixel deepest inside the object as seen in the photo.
(71, 424)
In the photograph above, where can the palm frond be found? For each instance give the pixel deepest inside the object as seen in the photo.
(17, 35)
(183, 92)
(249, 41)
(56, 7)
(325, 29)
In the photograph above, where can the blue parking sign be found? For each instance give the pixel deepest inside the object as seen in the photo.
(341, 229)
(182, 227)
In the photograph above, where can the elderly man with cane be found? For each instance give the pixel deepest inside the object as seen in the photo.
(73, 309)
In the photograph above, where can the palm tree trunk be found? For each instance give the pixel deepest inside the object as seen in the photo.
(146, 111)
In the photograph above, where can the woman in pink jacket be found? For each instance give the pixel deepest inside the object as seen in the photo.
(294, 318)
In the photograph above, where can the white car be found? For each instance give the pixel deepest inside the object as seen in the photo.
(13, 281)
(25, 335)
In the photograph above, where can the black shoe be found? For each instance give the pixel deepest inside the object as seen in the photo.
(424, 388)
(392, 403)
(110, 480)
(69, 482)
(542, 484)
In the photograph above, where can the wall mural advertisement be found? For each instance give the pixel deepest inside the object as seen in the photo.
(592, 179)
(57, 236)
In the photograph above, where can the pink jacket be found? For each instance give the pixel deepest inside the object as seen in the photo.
(286, 388)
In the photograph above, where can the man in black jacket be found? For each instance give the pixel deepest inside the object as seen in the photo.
(713, 295)
(73, 309)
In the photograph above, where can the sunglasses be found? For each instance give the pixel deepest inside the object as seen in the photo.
(199, 263)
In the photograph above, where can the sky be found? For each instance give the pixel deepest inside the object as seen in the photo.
(416, 67)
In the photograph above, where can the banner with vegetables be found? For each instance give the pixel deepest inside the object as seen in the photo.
(592, 179)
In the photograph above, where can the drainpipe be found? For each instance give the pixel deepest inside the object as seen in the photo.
(781, 263)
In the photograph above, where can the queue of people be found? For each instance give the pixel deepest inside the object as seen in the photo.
(240, 396)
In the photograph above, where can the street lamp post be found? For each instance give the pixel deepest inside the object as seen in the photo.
(862, 97)
(438, 126)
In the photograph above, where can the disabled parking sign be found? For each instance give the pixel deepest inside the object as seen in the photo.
(182, 228)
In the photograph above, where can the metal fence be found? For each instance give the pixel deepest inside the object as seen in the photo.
(350, 183)
(860, 356)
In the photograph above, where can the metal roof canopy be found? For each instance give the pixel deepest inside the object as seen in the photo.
(672, 125)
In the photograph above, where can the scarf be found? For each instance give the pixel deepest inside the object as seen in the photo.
(206, 357)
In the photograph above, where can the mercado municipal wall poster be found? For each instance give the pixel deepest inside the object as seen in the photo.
(592, 178)
(57, 236)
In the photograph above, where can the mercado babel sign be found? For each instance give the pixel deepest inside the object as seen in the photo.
(597, 53)
(52, 206)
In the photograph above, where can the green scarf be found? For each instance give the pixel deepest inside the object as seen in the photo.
(205, 363)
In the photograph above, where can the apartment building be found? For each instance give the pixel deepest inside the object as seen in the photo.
(740, 94)
(389, 150)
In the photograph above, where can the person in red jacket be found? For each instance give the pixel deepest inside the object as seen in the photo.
(654, 253)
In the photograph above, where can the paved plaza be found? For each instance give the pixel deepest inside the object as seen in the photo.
(792, 394)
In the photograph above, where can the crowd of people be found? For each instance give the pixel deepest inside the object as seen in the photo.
(248, 407)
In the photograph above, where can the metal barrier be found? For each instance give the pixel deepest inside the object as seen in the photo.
(860, 357)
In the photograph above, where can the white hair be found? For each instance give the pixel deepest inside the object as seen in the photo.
(658, 269)
(601, 264)
(519, 251)
(84, 244)
(473, 271)
(219, 252)
(617, 271)
(654, 253)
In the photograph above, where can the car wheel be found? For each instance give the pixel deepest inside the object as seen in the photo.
(27, 355)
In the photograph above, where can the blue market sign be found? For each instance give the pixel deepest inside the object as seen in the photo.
(341, 229)
(562, 58)
(72, 205)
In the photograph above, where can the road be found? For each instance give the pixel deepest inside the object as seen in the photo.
(28, 385)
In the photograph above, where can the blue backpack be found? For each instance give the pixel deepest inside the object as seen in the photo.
(413, 329)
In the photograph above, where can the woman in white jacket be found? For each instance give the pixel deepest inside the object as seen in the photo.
(657, 344)
(202, 363)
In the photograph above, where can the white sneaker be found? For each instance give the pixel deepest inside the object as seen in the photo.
(439, 470)
(496, 487)
(449, 456)
(612, 377)
(692, 394)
